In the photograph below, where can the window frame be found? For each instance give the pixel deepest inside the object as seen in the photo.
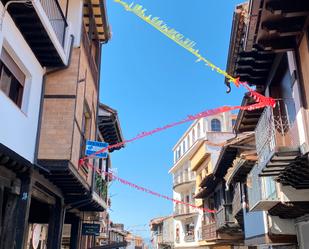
(17, 78)
(213, 125)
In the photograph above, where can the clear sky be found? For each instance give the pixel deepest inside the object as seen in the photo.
(151, 81)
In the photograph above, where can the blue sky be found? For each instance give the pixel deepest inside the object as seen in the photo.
(152, 81)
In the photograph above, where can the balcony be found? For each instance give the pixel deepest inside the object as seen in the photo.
(100, 187)
(183, 212)
(262, 191)
(277, 141)
(184, 181)
(189, 238)
(237, 203)
(209, 232)
(225, 222)
(43, 26)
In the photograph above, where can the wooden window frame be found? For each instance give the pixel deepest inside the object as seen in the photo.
(16, 76)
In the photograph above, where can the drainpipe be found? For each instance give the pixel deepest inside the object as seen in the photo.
(38, 135)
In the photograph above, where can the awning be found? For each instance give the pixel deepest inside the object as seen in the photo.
(109, 126)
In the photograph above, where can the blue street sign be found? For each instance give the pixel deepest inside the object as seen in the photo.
(94, 146)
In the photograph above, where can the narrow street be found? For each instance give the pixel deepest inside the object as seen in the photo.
(154, 124)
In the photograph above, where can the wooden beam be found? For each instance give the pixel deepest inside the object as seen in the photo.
(55, 226)
(24, 201)
(7, 239)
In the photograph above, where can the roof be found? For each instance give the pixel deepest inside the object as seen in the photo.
(240, 169)
(247, 120)
(95, 10)
(109, 126)
(227, 155)
(158, 220)
(229, 152)
(237, 32)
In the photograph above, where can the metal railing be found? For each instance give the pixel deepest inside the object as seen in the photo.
(276, 128)
(56, 18)
(92, 63)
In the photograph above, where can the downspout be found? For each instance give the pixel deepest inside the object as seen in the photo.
(38, 134)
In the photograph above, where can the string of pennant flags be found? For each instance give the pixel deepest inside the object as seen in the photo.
(261, 101)
(111, 176)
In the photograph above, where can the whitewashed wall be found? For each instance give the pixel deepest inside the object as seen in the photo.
(19, 126)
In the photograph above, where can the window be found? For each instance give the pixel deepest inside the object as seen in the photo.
(198, 130)
(189, 141)
(85, 132)
(215, 125)
(12, 79)
(189, 229)
(233, 122)
(183, 147)
(193, 136)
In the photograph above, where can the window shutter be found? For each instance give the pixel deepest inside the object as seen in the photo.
(12, 66)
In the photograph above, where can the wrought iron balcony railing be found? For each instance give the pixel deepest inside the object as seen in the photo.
(276, 130)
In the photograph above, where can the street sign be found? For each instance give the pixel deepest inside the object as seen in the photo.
(94, 146)
(90, 229)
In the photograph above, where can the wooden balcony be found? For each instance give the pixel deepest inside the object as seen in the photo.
(225, 222)
(209, 232)
(277, 142)
(237, 203)
(43, 25)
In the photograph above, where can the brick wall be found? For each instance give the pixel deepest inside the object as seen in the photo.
(66, 93)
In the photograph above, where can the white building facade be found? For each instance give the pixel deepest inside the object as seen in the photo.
(188, 220)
